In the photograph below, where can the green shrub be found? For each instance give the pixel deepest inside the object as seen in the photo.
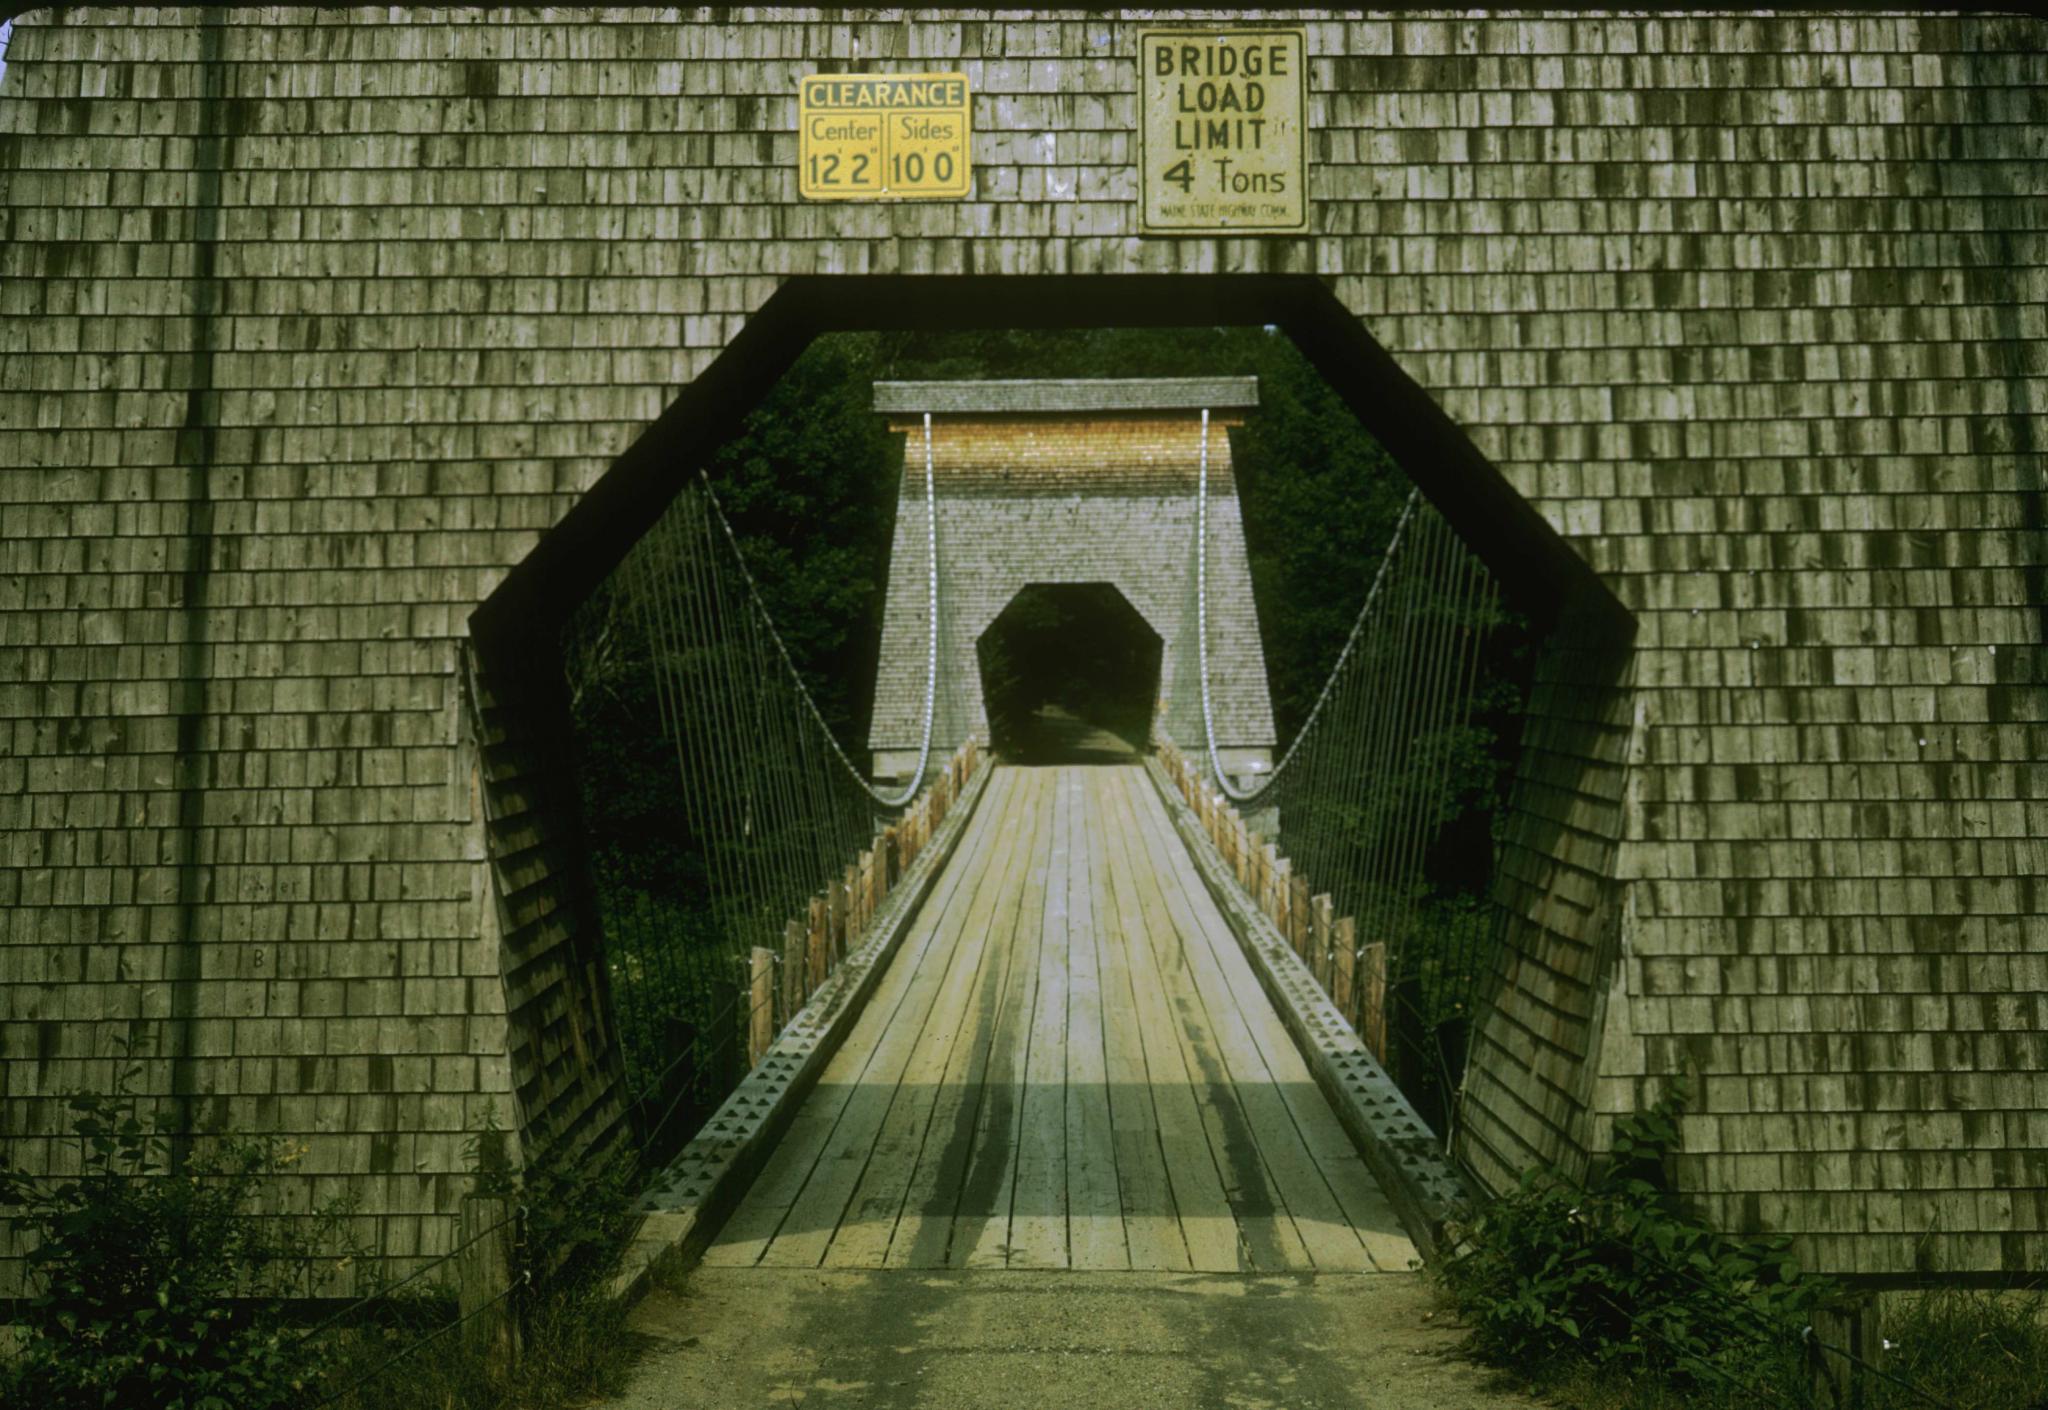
(1612, 1273)
(153, 1288)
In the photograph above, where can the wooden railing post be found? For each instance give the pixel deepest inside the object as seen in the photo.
(1372, 1024)
(1301, 920)
(484, 1274)
(794, 993)
(818, 953)
(1324, 914)
(1344, 961)
(760, 1003)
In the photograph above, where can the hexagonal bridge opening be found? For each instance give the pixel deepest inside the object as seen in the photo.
(1069, 674)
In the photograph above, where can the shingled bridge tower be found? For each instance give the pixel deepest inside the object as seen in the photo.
(1069, 481)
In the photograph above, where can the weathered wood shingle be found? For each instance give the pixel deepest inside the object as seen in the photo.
(313, 323)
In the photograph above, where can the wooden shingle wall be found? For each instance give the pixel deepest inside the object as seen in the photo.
(311, 323)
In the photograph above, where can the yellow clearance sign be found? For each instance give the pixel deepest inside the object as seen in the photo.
(883, 136)
(1223, 141)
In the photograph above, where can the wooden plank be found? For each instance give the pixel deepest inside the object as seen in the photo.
(1271, 1083)
(754, 1225)
(981, 1229)
(1151, 1217)
(1362, 1205)
(1194, 1165)
(1095, 1221)
(1269, 1240)
(1038, 1204)
(869, 1226)
(925, 1232)
(823, 1204)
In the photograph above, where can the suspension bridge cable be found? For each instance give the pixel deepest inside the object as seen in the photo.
(916, 779)
(1230, 789)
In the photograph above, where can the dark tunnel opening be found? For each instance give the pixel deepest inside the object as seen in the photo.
(1069, 674)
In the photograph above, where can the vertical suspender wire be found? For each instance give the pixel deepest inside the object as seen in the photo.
(1478, 613)
(806, 850)
(1309, 782)
(1374, 787)
(1353, 787)
(745, 745)
(1325, 762)
(1429, 710)
(662, 592)
(826, 804)
(794, 849)
(1380, 877)
(1421, 670)
(635, 1002)
(1427, 670)
(1356, 786)
(716, 783)
(753, 745)
(1473, 619)
(687, 651)
(650, 596)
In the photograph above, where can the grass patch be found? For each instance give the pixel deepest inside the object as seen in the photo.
(1979, 1350)
(1970, 1350)
(573, 1350)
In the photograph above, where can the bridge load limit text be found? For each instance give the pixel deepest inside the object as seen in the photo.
(1222, 138)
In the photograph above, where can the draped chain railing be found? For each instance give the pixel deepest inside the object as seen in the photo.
(1334, 842)
(780, 846)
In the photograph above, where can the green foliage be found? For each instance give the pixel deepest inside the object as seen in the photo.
(154, 1287)
(1612, 1272)
(1984, 1350)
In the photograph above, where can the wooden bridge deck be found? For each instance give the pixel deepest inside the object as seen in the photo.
(1069, 1064)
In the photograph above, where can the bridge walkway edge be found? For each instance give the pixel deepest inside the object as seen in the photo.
(1062, 1071)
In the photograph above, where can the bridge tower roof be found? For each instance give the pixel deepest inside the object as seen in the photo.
(1068, 395)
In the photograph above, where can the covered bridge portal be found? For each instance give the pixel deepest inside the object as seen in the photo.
(342, 352)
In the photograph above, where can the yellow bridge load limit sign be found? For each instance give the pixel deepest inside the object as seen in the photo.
(1223, 142)
(883, 136)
